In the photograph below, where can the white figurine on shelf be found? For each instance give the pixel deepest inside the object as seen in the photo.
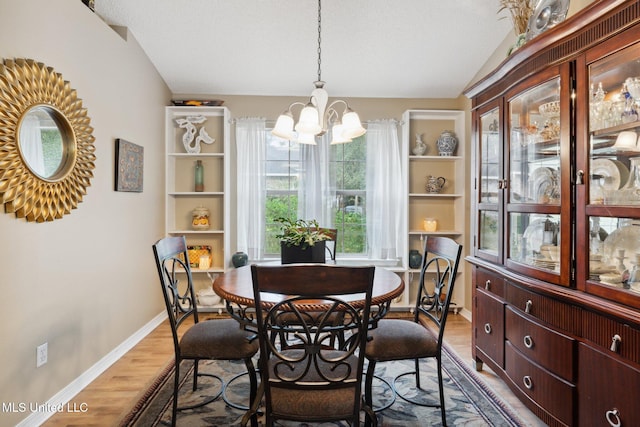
(193, 146)
(420, 147)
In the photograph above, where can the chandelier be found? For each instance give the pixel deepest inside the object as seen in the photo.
(315, 116)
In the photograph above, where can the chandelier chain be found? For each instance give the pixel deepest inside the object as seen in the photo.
(319, 40)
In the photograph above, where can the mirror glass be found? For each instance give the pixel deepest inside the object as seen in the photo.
(46, 142)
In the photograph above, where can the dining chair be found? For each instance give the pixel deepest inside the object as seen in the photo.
(313, 378)
(219, 339)
(332, 242)
(398, 339)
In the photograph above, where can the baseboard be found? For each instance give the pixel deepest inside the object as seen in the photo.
(60, 399)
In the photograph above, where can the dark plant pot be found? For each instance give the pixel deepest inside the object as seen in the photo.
(303, 253)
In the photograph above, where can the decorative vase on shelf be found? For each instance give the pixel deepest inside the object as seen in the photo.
(200, 218)
(420, 148)
(199, 176)
(415, 258)
(435, 184)
(447, 143)
(239, 259)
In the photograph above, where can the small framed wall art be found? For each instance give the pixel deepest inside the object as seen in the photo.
(129, 166)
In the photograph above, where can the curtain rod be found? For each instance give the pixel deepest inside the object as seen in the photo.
(270, 121)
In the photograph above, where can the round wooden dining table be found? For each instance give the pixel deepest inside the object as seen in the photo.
(236, 288)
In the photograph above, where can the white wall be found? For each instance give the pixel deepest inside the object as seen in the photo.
(86, 282)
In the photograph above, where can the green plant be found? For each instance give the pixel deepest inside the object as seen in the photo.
(300, 231)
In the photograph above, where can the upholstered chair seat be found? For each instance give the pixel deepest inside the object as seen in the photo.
(403, 339)
(220, 339)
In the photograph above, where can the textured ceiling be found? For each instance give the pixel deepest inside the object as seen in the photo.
(370, 48)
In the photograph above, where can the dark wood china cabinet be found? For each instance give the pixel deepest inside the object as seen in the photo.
(556, 225)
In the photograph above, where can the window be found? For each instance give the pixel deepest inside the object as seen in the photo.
(355, 187)
(346, 193)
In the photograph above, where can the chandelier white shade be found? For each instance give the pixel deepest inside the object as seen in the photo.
(316, 117)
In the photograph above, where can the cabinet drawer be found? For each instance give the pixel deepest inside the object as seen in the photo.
(540, 344)
(490, 282)
(558, 314)
(489, 326)
(550, 392)
(608, 390)
(608, 333)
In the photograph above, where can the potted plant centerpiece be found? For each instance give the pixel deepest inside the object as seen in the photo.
(301, 241)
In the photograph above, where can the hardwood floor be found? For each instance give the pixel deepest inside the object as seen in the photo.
(110, 396)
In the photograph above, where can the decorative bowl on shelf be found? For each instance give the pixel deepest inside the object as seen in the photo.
(197, 102)
(550, 109)
(633, 86)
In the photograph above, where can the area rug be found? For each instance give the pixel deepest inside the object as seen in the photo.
(468, 400)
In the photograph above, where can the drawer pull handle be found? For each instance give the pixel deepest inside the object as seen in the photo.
(487, 328)
(487, 284)
(527, 306)
(528, 382)
(528, 341)
(613, 419)
(615, 342)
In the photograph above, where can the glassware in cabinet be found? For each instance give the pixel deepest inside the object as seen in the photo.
(490, 185)
(534, 162)
(614, 128)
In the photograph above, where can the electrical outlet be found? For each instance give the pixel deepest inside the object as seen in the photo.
(41, 354)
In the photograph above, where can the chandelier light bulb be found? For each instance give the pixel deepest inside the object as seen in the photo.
(284, 126)
(308, 122)
(352, 125)
(337, 134)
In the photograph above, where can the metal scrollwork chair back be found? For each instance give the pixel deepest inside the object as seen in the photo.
(398, 339)
(219, 339)
(314, 377)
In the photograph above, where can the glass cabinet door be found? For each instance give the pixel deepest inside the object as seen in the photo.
(534, 181)
(613, 178)
(490, 185)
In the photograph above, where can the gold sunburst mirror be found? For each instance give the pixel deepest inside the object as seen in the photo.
(46, 142)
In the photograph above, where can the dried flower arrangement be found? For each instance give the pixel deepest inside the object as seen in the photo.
(521, 11)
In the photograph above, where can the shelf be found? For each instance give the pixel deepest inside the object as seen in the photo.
(435, 233)
(195, 231)
(436, 195)
(436, 158)
(447, 206)
(180, 197)
(195, 155)
(195, 193)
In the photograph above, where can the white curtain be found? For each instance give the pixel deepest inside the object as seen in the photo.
(250, 148)
(31, 143)
(385, 215)
(316, 193)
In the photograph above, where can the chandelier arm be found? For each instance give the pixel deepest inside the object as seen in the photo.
(293, 104)
(338, 101)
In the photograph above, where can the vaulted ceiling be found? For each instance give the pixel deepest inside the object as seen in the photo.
(369, 48)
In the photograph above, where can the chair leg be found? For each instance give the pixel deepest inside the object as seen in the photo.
(195, 374)
(369, 416)
(441, 390)
(253, 388)
(417, 363)
(176, 383)
(368, 384)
